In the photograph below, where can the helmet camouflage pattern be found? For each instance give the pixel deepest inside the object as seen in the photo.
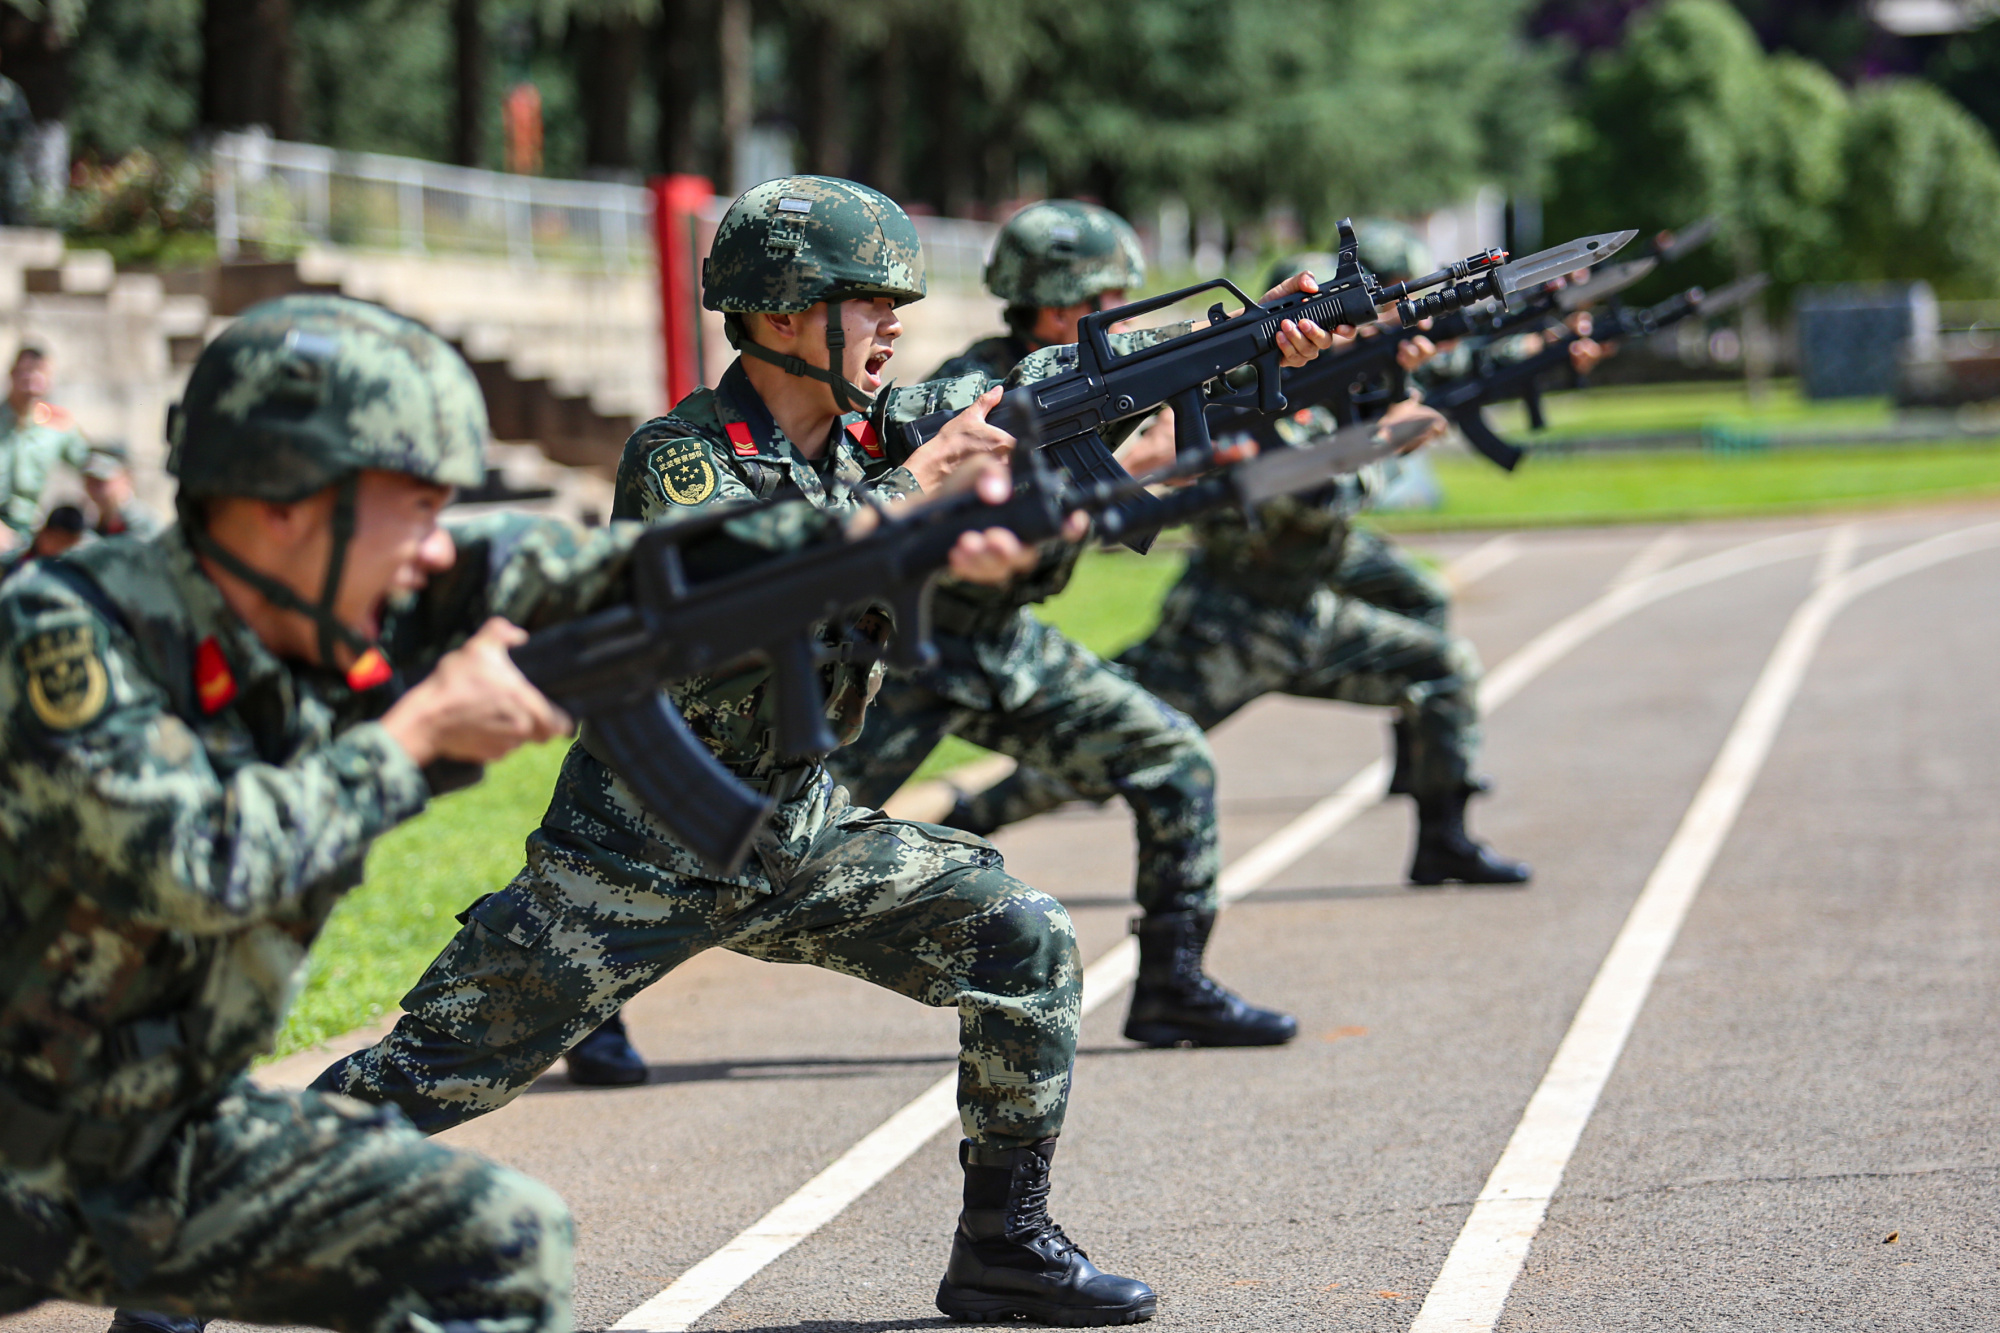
(790, 243)
(1061, 252)
(1393, 251)
(301, 392)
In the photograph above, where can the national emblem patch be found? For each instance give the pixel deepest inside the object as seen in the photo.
(685, 473)
(67, 684)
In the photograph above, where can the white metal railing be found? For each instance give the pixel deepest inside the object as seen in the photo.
(278, 194)
(955, 249)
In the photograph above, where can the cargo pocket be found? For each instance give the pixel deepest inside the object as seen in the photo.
(477, 989)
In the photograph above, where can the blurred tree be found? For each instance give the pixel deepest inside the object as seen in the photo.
(247, 66)
(1690, 118)
(469, 82)
(377, 76)
(135, 76)
(1924, 193)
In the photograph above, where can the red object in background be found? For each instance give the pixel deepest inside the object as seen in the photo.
(521, 112)
(676, 200)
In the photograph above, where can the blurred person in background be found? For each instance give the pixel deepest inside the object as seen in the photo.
(36, 436)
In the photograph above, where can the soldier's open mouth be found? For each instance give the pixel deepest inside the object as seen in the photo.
(873, 369)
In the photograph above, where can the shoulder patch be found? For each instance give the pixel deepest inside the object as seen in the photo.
(740, 439)
(864, 435)
(67, 682)
(685, 472)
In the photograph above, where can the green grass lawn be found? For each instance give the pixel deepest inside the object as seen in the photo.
(1662, 486)
(1646, 408)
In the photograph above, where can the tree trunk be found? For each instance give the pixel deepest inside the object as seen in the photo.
(820, 74)
(246, 69)
(609, 67)
(32, 55)
(733, 54)
(680, 85)
(468, 129)
(892, 99)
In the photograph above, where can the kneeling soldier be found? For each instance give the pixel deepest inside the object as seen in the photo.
(202, 737)
(809, 272)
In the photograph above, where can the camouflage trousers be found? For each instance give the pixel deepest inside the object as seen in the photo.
(297, 1208)
(1219, 646)
(607, 905)
(1030, 692)
(1375, 570)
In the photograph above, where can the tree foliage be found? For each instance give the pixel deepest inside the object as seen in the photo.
(1690, 117)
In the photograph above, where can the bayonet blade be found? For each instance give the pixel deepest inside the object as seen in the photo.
(1604, 282)
(1583, 252)
(1687, 238)
(1725, 299)
(1286, 471)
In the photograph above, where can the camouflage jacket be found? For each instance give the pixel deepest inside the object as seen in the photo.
(1298, 540)
(181, 809)
(720, 446)
(993, 357)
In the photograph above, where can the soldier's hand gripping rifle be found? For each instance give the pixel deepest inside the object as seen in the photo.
(607, 668)
(1105, 386)
(1464, 400)
(1527, 286)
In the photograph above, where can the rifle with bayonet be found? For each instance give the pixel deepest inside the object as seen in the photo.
(1464, 400)
(1335, 380)
(1105, 387)
(679, 620)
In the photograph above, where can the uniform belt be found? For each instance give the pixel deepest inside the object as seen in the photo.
(32, 1136)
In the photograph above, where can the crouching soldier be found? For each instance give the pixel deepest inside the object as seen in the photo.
(809, 272)
(202, 733)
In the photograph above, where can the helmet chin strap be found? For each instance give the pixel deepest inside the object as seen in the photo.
(846, 396)
(331, 631)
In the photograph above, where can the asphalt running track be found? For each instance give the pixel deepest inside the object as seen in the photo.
(1738, 1034)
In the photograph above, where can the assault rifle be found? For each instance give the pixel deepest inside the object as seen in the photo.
(607, 668)
(1106, 386)
(1464, 400)
(1367, 376)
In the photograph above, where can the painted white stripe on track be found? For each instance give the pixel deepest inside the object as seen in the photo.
(1653, 557)
(821, 1199)
(1479, 1272)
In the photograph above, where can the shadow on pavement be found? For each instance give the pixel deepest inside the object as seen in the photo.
(715, 1071)
(1314, 893)
(853, 1325)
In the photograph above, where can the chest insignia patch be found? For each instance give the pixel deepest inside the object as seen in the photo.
(740, 439)
(214, 682)
(685, 473)
(67, 684)
(864, 435)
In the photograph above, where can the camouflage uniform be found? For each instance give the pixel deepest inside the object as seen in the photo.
(182, 811)
(609, 903)
(1009, 682)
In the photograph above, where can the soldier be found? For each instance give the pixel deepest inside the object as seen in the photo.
(35, 436)
(1298, 606)
(202, 735)
(107, 480)
(1009, 682)
(808, 272)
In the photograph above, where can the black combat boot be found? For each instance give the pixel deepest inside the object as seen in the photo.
(963, 818)
(1174, 1003)
(1445, 851)
(152, 1321)
(605, 1059)
(1404, 738)
(1008, 1259)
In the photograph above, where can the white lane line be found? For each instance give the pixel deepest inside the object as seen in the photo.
(821, 1199)
(1841, 544)
(1482, 560)
(1653, 557)
(1472, 1288)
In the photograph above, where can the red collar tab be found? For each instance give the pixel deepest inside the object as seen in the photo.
(740, 438)
(214, 682)
(369, 670)
(864, 435)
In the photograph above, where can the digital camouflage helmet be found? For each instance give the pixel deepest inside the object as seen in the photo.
(791, 243)
(305, 392)
(1061, 252)
(1393, 251)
